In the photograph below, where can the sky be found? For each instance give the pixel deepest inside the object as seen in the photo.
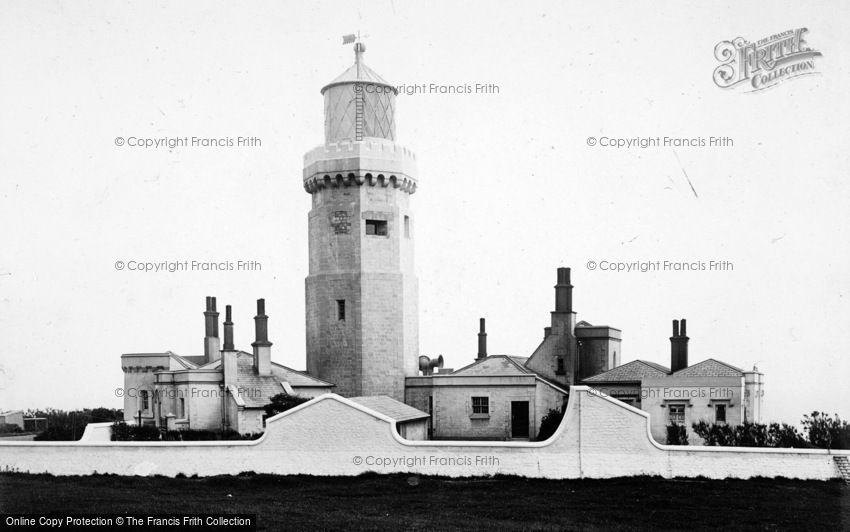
(510, 187)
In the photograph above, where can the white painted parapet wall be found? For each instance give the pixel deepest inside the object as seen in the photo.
(599, 437)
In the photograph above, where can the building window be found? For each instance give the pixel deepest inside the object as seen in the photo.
(406, 226)
(481, 405)
(677, 414)
(560, 370)
(182, 414)
(376, 227)
(340, 309)
(720, 413)
(144, 400)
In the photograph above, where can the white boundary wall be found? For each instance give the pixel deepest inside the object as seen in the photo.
(599, 437)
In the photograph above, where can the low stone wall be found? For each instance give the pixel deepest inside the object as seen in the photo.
(599, 437)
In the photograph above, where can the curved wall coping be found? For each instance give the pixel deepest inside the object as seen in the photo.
(569, 423)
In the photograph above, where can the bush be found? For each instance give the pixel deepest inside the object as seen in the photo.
(283, 402)
(123, 432)
(715, 434)
(677, 434)
(826, 432)
(7, 428)
(69, 426)
(785, 435)
(550, 423)
(750, 435)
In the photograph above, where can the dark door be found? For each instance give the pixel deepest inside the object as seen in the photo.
(519, 419)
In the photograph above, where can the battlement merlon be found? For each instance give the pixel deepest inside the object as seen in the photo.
(374, 162)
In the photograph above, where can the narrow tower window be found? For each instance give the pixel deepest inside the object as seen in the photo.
(406, 226)
(376, 227)
(340, 309)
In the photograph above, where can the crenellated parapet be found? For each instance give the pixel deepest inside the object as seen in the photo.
(144, 362)
(142, 369)
(370, 162)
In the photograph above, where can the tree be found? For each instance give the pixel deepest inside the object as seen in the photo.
(826, 432)
(283, 402)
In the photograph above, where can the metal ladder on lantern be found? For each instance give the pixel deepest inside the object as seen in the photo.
(843, 467)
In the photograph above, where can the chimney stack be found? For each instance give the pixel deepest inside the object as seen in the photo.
(228, 330)
(563, 292)
(229, 364)
(679, 346)
(211, 341)
(262, 346)
(482, 341)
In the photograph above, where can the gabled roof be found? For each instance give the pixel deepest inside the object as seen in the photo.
(391, 408)
(196, 360)
(633, 371)
(710, 368)
(494, 365)
(297, 379)
(255, 390)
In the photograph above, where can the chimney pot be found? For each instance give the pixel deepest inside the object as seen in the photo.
(262, 346)
(228, 330)
(211, 342)
(679, 347)
(482, 341)
(563, 291)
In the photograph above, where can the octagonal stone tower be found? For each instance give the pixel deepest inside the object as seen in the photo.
(361, 291)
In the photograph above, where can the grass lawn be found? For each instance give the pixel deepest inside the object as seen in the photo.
(401, 502)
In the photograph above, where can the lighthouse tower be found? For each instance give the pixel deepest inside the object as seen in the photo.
(361, 291)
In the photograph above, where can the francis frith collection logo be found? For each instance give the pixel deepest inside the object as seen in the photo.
(764, 63)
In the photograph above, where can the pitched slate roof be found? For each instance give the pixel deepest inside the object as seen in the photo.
(297, 378)
(196, 360)
(494, 365)
(255, 390)
(710, 368)
(631, 372)
(391, 408)
(519, 360)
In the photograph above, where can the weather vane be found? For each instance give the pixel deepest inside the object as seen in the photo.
(359, 47)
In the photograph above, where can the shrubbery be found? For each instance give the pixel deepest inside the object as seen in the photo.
(550, 423)
(677, 434)
(820, 431)
(283, 402)
(825, 432)
(123, 432)
(69, 426)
